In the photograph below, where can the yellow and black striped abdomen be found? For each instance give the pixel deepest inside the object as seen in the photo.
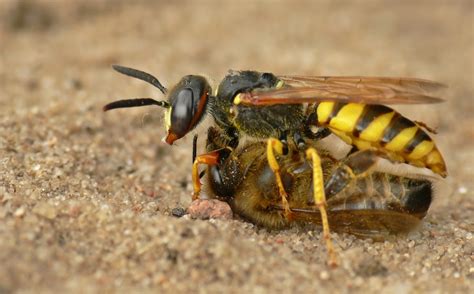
(378, 126)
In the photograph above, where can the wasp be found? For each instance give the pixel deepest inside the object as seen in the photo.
(371, 204)
(284, 110)
(264, 106)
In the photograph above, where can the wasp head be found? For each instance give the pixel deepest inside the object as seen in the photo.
(187, 100)
(185, 107)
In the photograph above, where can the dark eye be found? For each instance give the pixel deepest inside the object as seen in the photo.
(182, 112)
(188, 100)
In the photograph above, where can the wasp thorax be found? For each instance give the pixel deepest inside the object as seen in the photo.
(188, 100)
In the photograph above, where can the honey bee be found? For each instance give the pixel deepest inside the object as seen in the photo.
(370, 204)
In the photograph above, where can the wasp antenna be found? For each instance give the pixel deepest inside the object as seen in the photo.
(137, 102)
(141, 75)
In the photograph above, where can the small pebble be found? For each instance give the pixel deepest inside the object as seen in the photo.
(209, 208)
(19, 212)
(178, 211)
(324, 275)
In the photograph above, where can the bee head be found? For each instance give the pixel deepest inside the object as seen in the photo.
(185, 107)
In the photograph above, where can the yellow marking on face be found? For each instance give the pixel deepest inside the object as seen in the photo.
(375, 130)
(421, 150)
(168, 118)
(323, 111)
(237, 99)
(347, 117)
(400, 140)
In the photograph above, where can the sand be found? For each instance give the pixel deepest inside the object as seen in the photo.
(86, 197)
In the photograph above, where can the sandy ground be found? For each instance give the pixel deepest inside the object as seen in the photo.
(85, 197)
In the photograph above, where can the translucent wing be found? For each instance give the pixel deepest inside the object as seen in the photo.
(367, 90)
(371, 223)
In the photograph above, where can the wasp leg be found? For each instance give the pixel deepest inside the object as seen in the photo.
(211, 158)
(356, 165)
(320, 201)
(275, 145)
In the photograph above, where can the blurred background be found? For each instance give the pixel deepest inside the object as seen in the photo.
(85, 197)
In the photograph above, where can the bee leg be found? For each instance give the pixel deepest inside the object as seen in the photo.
(211, 158)
(356, 165)
(283, 140)
(299, 140)
(275, 145)
(320, 201)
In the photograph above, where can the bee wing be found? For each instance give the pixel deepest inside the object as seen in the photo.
(367, 90)
(373, 223)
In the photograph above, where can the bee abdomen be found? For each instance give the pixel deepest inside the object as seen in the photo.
(419, 196)
(396, 192)
(378, 126)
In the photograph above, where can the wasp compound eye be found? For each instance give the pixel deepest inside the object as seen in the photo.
(181, 112)
(188, 100)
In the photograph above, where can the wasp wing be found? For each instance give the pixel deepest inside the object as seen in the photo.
(367, 90)
(412, 85)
